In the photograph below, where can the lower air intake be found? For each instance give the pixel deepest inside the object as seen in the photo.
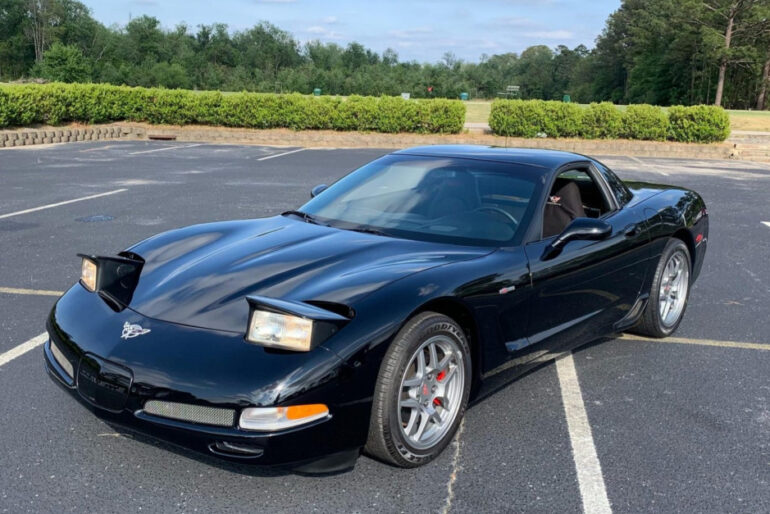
(191, 413)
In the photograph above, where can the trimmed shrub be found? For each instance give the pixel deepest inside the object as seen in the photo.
(601, 121)
(97, 103)
(646, 122)
(394, 114)
(441, 116)
(563, 119)
(531, 118)
(698, 124)
(517, 118)
(357, 113)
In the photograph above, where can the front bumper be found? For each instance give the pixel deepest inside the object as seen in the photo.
(204, 370)
(302, 447)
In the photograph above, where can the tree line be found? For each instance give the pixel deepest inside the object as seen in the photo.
(660, 52)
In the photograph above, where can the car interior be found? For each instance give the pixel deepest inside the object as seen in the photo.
(466, 201)
(574, 194)
(453, 200)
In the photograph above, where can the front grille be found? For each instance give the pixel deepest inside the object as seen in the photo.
(65, 364)
(191, 413)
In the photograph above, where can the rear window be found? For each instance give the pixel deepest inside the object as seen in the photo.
(619, 189)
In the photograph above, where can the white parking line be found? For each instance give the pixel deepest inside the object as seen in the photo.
(36, 292)
(701, 342)
(766, 223)
(58, 204)
(650, 166)
(175, 147)
(23, 348)
(280, 154)
(589, 471)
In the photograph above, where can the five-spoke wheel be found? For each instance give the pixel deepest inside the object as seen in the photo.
(669, 294)
(431, 391)
(422, 391)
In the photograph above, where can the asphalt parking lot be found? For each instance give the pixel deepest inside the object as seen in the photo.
(682, 425)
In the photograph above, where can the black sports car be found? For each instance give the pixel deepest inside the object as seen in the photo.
(368, 318)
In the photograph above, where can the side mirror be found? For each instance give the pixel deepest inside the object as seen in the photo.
(317, 190)
(580, 229)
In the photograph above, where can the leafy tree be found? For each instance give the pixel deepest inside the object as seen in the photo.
(725, 21)
(657, 51)
(64, 63)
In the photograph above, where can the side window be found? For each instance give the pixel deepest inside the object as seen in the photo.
(619, 190)
(574, 194)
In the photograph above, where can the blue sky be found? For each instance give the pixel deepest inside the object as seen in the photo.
(417, 29)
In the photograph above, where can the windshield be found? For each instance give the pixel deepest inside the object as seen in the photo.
(460, 201)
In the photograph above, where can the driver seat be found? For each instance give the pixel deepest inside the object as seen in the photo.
(564, 205)
(454, 195)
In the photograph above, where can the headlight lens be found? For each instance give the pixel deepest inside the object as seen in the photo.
(88, 274)
(268, 419)
(280, 331)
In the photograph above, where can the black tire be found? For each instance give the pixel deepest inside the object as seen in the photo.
(386, 440)
(651, 324)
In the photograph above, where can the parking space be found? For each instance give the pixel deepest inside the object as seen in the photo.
(674, 426)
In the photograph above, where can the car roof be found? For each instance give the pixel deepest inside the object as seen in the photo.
(549, 159)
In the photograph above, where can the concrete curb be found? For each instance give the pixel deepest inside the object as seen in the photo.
(50, 135)
(333, 139)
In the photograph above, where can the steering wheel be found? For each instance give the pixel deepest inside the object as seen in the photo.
(498, 211)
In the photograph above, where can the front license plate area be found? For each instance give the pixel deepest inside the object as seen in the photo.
(103, 383)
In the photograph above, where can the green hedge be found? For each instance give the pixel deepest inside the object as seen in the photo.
(97, 103)
(535, 118)
(699, 123)
(530, 118)
(602, 121)
(646, 122)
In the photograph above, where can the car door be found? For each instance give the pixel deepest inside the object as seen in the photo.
(582, 291)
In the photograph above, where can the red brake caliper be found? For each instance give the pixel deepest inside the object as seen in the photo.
(439, 378)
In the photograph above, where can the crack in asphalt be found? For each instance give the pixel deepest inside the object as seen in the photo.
(455, 469)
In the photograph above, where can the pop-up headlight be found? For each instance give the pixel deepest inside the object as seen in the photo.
(88, 271)
(280, 331)
(113, 278)
(290, 325)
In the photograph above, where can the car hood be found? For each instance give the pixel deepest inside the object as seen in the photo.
(200, 275)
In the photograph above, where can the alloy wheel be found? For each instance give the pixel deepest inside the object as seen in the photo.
(431, 391)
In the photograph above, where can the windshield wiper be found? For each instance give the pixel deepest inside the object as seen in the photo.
(308, 218)
(368, 230)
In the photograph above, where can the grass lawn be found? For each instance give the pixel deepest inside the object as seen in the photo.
(477, 111)
(750, 120)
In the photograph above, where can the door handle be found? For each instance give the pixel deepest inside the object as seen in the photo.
(631, 230)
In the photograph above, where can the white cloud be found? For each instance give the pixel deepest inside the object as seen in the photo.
(323, 32)
(330, 20)
(412, 33)
(513, 22)
(551, 34)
